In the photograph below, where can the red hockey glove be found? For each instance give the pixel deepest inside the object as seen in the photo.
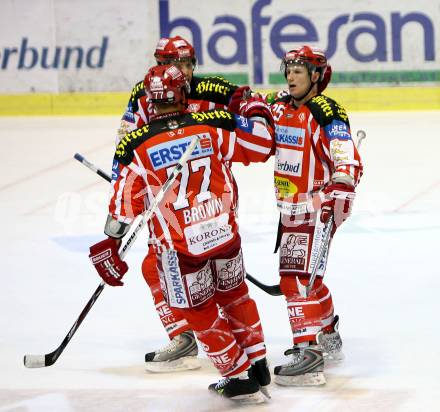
(337, 203)
(237, 98)
(256, 106)
(104, 256)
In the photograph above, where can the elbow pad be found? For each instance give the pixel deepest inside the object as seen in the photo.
(115, 229)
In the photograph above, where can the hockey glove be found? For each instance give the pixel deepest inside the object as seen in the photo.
(256, 107)
(338, 199)
(104, 256)
(240, 94)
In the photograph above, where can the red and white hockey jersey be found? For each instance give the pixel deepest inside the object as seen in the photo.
(312, 143)
(198, 215)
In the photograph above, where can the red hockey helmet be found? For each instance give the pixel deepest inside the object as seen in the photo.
(313, 58)
(325, 79)
(166, 84)
(174, 48)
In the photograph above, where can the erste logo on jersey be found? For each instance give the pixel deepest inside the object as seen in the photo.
(290, 136)
(337, 130)
(169, 153)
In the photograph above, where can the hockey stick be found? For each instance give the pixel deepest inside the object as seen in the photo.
(271, 290)
(92, 167)
(40, 361)
(304, 290)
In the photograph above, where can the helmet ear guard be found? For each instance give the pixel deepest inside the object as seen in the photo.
(166, 84)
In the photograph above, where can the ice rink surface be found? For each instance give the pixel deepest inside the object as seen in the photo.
(383, 272)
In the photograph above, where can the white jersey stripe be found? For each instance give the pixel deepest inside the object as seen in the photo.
(255, 348)
(240, 362)
(254, 147)
(223, 350)
(293, 304)
(232, 138)
(219, 142)
(118, 199)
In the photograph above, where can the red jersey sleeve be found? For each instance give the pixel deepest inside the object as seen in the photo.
(251, 141)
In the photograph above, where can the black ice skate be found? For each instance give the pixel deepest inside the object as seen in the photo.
(331, 343)
(305, 369)
(243, 389)
(179, 355)
(261, 372)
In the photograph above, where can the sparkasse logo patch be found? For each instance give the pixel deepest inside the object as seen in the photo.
(290, 136)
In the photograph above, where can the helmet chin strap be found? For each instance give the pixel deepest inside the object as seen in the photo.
(307, 92)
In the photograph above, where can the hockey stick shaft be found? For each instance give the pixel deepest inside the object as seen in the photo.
(38, 361)
(92, 167)
(159, 196)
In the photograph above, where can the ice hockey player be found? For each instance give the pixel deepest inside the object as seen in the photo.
(206, 93)
(317, 168)
(197, 244)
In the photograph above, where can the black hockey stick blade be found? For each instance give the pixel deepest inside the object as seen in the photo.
(41, 361)
(273, 290)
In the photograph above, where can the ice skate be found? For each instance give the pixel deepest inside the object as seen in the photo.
(305, 369)
(331, 343)
(261, 372)
(243, 389)
(179, 355)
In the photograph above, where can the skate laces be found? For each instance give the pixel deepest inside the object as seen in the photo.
(297, 355)
(171, 347)
(332, 342)
(222, 383)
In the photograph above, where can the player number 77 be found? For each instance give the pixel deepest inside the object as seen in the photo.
(204, 193)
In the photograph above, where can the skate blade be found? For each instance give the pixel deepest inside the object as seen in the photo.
(265, 391)
(249, 399)
(186, 363)
(309, 379)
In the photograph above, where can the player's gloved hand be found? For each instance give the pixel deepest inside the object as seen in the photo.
(104, 256)
(240, 94)
(256, 106)
(338, 199)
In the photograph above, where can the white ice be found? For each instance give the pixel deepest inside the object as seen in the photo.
(383, 273)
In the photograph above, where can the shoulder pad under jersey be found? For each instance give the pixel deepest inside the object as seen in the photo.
(215, 118)
(325, 110)
(136, 93)
(212, 89)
